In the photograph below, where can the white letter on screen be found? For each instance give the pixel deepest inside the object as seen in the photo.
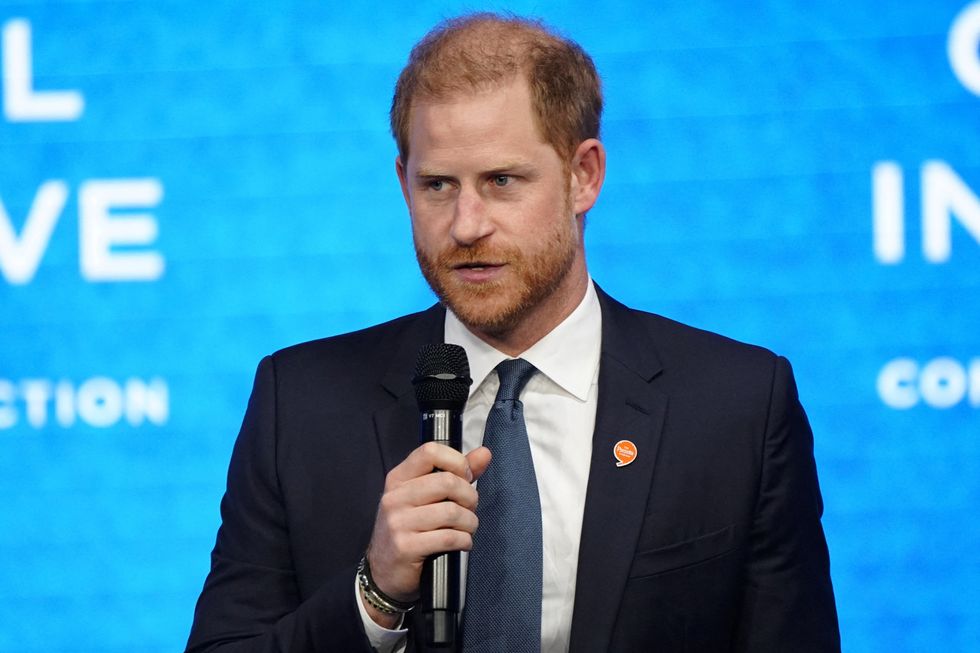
(896, 383)
(100, 402)
(100, 230)
(944, 195)
(19, 257)
(888, 217)
(21, 103)
(147, 401)
(37, 393)
(963, 48)
(943, 382)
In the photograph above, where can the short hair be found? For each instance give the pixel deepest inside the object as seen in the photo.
(478, 51)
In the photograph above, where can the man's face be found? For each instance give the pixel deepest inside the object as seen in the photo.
(492, 216)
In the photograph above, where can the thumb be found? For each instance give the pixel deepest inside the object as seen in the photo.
(479, 460)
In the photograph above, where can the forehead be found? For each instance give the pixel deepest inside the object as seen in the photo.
(491, 121)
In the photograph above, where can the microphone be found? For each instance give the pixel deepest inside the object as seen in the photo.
(442, 381)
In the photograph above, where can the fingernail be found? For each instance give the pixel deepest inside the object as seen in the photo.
(469, 475)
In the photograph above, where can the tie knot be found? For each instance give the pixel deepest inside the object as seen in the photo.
(514, 375)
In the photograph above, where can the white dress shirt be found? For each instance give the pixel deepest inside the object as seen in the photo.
(559, 410)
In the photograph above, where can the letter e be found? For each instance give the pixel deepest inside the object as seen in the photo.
(100, 231)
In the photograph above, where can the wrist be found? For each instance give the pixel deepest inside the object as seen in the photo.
(387, 621)
(383, 609)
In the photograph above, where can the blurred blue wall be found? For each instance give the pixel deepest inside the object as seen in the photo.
(187, 186)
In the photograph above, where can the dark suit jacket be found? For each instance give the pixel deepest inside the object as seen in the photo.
(709, 541)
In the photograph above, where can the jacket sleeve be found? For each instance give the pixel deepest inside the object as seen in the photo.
(251, 600)
(788, 600)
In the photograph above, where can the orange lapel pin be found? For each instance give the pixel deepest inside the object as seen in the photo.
(624, 452)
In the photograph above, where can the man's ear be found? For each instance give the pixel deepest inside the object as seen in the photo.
(403, 180)
(588, 170)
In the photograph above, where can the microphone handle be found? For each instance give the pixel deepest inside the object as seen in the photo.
(439, 589)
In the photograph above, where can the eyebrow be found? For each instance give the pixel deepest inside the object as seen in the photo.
(503, 168)
(426, 173)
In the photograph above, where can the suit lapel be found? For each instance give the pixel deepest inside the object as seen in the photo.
(616, 497)
(396, 422)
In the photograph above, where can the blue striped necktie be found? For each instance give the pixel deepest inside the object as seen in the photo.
(503, 581)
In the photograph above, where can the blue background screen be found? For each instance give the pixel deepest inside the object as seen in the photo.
(187, 186)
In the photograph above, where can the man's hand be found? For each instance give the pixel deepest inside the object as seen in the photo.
(421, 514)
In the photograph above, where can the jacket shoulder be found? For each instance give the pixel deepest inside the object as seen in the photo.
(350, 368)
(350, 349)
(694, 357)
(692, 340)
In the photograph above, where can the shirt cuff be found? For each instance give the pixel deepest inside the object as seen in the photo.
(382, 639)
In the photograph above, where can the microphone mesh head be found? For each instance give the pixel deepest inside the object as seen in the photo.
(442, 376)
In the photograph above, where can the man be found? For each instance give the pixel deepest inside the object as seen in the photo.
(677, 505)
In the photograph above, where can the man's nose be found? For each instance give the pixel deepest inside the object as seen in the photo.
(471, 218)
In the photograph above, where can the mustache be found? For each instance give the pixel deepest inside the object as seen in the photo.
(456, 256)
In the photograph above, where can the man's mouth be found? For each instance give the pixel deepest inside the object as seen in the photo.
(476, 265)
(478, 271)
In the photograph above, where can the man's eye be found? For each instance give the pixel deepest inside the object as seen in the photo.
(437, 184)
(501, 180)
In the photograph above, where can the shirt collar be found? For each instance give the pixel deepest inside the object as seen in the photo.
(568, 354)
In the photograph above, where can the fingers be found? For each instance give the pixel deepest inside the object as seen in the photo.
(427, 457)
(410, 548)
(430, 488)
(439, 516)
(424, 512)
(443, 541)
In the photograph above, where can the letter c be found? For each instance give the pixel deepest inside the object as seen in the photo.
(896, 383)
(963, 47)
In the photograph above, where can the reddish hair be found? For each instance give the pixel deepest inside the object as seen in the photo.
(479, 51)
